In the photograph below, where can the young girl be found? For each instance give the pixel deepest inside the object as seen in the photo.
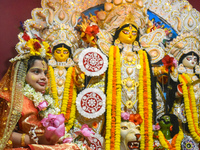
(29, 127)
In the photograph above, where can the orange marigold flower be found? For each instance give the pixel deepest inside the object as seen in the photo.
(136, 119)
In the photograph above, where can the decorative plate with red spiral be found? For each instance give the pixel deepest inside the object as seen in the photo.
(91, 103)
(93, 62)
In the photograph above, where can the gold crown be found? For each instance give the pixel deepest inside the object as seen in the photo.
(130, 19)
(183, 44)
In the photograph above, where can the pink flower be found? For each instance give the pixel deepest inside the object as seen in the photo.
(85, 131)
(68, 140)
(54, 125)
(175, 62)
(42, 105)
(156, 127)
(125, 115)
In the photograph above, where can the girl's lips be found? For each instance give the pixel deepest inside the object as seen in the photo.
(42, 83)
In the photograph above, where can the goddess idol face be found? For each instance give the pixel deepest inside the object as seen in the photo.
(190, 61)
(61, 54)
(128, 34)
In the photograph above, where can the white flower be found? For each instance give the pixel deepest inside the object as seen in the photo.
(38, 97)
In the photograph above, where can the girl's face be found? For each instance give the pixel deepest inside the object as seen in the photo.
(37, 76)
(190, 61)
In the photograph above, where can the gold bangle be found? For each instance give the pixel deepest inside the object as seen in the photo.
(23, 140)
(9, 144)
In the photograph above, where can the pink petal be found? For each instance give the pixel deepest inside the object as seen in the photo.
(56, 123)
(49, 133)
(84, 126)
(86, 132)
(61, 118)
(68, 140)
(44, 122)
(51, 116)
(42, 105)
(50, 128)
(60, 131)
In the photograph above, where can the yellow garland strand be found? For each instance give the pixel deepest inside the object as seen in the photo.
(73, 110)
(161, 138)
(109, 100)
(53, 86)
(118, 103)
(65, 95)
(140, 100)
(66, 90)
(178, 139)
(150, 111)
(146, 137)
(190, 107)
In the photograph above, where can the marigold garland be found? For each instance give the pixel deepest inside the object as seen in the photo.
(109, 100)
(53, 86)
(113, 101)
(118, 99)
(176, 140)
(68, 107)
(190, 106)
(145, 111)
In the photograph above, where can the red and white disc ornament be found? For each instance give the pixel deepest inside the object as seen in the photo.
(91, 103)
(96, 142)
(93, 62)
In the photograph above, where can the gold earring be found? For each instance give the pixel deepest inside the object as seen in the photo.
(135, 43)
(117, 41)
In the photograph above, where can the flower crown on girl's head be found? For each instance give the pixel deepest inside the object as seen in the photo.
(31, 46)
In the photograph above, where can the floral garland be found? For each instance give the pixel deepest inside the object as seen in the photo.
(145, 98)
(69, 99)
(53, 85)
(190, 106)
(176, 140)
(113, 101)
(118, 98)
(31, 47)
(44, 103)
(68, 107)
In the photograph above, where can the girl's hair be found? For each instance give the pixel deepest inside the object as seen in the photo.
(120, 29)
(190, 53)
(63, 45)
(32, 60)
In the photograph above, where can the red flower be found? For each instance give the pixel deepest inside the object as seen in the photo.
(135, 118)
(26, 36)
(37, 45)
(168, 61)
(92, 30)
(49, 51)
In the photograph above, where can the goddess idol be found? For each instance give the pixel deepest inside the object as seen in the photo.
(130, 86)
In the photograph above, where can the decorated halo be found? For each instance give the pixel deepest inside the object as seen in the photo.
(91, 103)
(93, 62)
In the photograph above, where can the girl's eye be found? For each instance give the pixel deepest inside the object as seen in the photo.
(189, 58)
(45, 72)
(36, 71)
